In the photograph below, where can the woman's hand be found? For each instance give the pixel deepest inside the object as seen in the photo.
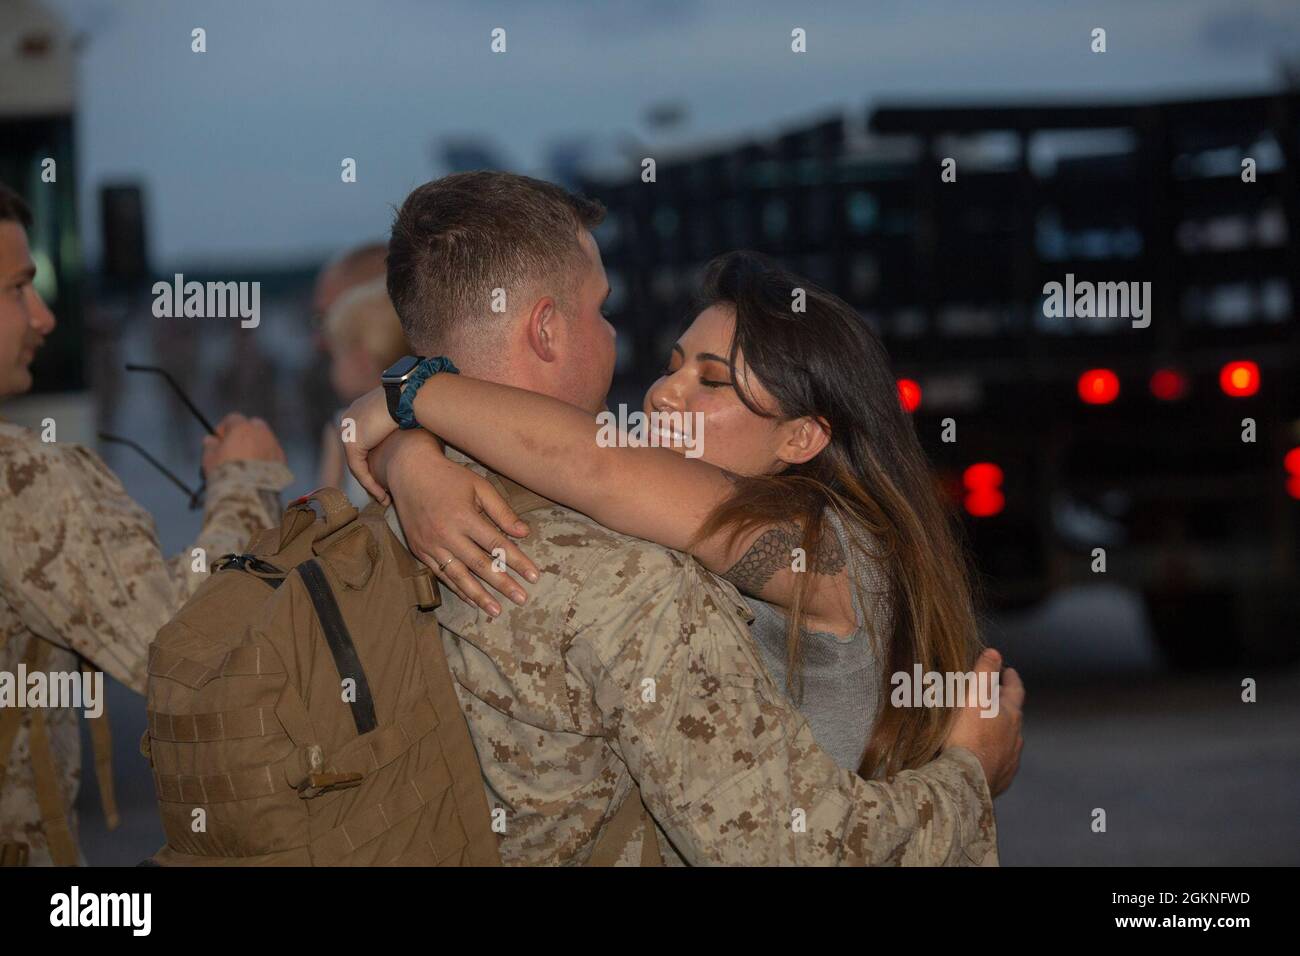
(372, 424)
(457, 524)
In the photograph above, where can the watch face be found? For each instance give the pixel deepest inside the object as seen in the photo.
(401, 368)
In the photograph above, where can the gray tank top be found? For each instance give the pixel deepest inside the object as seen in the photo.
(841, 675)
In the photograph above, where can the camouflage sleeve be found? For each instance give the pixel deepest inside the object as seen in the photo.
(726, 765)
(79, 560)
(242, 498)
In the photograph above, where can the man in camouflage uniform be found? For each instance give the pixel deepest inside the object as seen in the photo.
(82, 579)
(630, 668)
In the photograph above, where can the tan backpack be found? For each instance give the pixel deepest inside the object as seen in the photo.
(301, 711)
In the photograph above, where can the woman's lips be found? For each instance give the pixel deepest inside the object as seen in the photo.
(674, 440)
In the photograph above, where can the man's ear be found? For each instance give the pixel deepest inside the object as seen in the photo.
(542, 328)
(805, 438)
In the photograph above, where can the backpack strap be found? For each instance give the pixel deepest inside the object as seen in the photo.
(376, 750)
(618, 833)
(13, 854)
(340, 643)
(49, 795)
(419, 579)
(101, 742)
(300, 516)
(11, 718)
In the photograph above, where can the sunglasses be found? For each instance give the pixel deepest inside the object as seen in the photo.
(195, 494)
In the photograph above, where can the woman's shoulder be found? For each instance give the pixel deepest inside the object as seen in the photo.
(859, 550)
(861, 578)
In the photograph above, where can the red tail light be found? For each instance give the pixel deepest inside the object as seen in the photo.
(1239, 379)
(909, 393)
(983, 481)
(1292, 465)
(1168, 385)
(1098, 386)
(982, 474)
(985, 503)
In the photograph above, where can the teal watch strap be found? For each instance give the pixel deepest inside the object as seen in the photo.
(422, 373)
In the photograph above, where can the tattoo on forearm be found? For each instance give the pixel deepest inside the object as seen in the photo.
(774, 549)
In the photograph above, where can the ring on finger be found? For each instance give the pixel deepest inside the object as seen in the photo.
(443, 565)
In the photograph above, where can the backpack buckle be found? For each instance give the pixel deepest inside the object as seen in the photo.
(318, 783)
(426, 595)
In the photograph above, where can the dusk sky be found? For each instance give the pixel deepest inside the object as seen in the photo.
(240, 147)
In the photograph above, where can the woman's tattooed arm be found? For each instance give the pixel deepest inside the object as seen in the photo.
(774, 549)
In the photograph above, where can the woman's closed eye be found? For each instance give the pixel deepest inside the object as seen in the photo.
(709, 363)
(718, 378)
(706, 382)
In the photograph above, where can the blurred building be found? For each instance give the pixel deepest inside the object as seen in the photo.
(38, 160)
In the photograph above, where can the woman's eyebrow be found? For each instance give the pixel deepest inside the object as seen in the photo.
(710, 357)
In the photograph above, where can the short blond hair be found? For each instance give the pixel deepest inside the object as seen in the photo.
(364, 316)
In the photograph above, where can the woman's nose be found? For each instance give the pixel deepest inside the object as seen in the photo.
(667, 395)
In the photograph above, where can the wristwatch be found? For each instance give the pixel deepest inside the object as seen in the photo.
(395, 377)
(403, 379)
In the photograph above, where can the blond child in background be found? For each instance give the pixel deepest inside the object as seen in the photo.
(363, 336)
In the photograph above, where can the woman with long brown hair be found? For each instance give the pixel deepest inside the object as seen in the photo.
(783, 462)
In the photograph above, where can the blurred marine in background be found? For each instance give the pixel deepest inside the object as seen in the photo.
(83, 583)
